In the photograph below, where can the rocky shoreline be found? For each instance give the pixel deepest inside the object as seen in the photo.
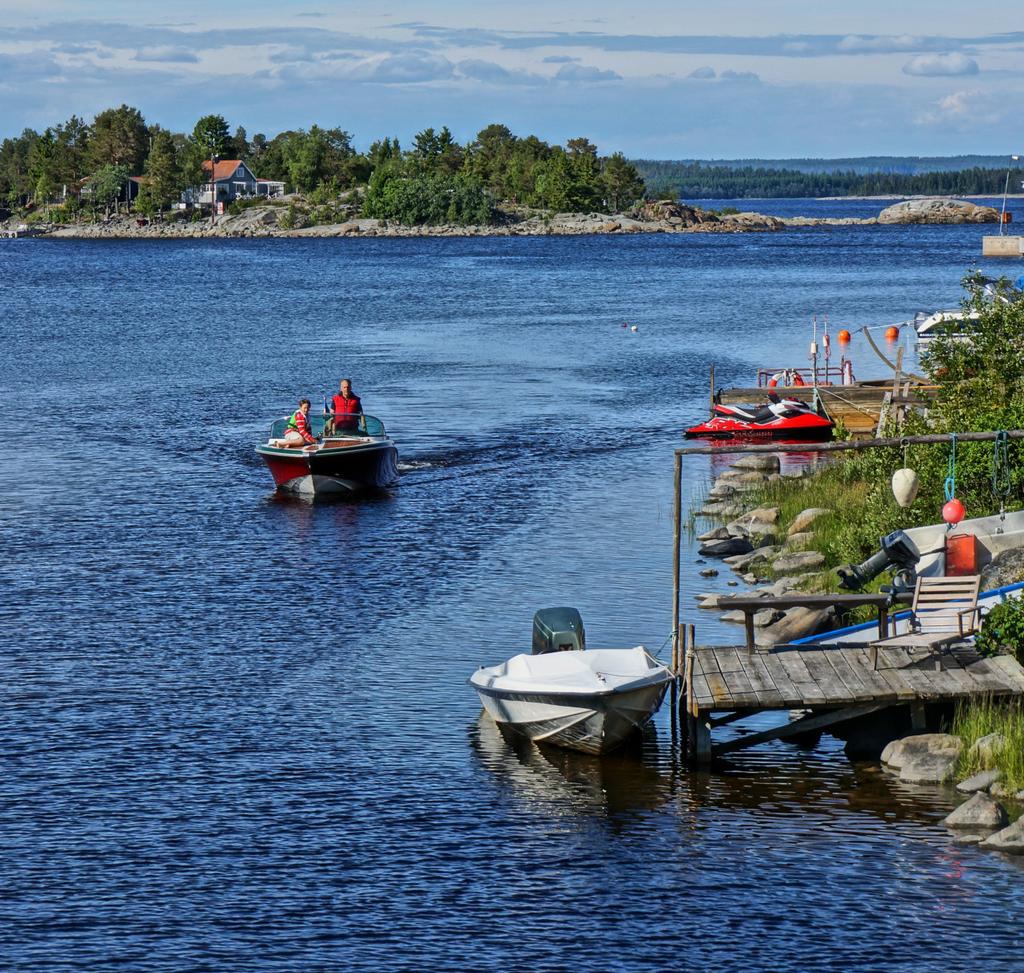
(660, 217)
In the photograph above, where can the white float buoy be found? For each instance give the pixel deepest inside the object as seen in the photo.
(905, 486)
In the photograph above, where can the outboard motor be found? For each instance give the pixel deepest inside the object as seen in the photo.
(558, 630)
(898, 551)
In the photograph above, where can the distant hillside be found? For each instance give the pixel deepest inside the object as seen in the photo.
(869, 176)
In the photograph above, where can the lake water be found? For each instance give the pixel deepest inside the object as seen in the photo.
(236, 729)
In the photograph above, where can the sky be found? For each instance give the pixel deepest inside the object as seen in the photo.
(652, 79)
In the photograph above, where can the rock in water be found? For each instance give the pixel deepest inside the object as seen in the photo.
(938, 210)
(927, 768)
(979, 782)
(897, 753)
(980, 811)
(732, 545)
(1010, 839)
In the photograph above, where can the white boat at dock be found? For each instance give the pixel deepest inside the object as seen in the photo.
(587, 699)
(993, 536)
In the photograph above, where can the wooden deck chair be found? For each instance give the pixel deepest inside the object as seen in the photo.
(944, 611)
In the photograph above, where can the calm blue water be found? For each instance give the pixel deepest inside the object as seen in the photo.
(236, 731)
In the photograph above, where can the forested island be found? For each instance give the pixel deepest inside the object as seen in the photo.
(74, 169)
(701, 180)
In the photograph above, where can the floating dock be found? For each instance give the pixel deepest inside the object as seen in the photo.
(831, 683)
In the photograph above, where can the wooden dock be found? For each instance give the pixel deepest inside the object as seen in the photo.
(858, 407)
(726, 683)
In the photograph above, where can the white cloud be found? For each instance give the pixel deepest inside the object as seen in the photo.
(167, 55)
(739, 76)
(941, 65)
(492, 73)
(968, 109)
(412, 67)
(858, 43)
(704, 73)
(584, 72)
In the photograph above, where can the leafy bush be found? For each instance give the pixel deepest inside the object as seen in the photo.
(1002, 629)
(416, 198)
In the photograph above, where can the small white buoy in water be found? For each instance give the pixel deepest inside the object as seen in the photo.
(634, 328)
(905, 486)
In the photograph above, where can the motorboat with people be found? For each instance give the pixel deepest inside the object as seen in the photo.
(778, 418)
(349, 455)
(565, 694)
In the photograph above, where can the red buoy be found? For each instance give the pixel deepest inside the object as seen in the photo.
(953, 511)
(892, 333)
(844, 337)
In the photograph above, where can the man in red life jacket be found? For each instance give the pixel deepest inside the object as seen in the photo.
(346, 406)
(296, 430)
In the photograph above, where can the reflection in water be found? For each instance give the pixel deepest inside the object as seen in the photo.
(568, 782)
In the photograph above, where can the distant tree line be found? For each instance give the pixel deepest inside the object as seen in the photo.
(436, 179)
(694, 180)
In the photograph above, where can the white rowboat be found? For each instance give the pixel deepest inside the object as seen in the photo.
(589, 700)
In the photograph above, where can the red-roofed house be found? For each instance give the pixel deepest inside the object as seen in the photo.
(232, 179)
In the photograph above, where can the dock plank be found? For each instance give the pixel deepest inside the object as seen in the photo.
(790, 692)
(833, 689)
(792, 661)
(849, 676)
(763, 684)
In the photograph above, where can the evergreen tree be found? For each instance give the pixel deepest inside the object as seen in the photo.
(620, 182)
(163, 181)
(212, 135)
(119, 138)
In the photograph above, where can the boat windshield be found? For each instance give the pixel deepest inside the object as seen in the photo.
(343, 426)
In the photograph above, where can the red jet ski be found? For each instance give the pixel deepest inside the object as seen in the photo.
(777, 419)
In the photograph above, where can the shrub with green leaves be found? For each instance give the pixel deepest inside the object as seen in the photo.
(1002, 630)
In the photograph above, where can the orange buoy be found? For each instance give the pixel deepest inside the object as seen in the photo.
(892, 333)
(953, 511)
(844, 337)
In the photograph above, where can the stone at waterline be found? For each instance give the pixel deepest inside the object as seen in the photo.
(709, 573)
(733, 584)
(794, 624)
(799, 562)
(718, 534)
(805, 518)
(735, 616)
(927, 768)
(732, 545)
(940, 744)
(1010, 839)
(710, 602)
(999, 789)
(763, 462)
(978, 811)
(740, 562)
(979, 782)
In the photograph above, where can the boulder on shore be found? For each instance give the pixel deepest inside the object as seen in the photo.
(805, 518)
(794, 624)
(979, 782)
(799, 562)
(761, 462)
(723, 548)
(939, 209)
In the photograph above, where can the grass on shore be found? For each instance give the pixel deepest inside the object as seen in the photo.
(978, 718)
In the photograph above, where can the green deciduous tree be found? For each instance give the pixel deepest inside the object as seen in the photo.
(106, 187)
